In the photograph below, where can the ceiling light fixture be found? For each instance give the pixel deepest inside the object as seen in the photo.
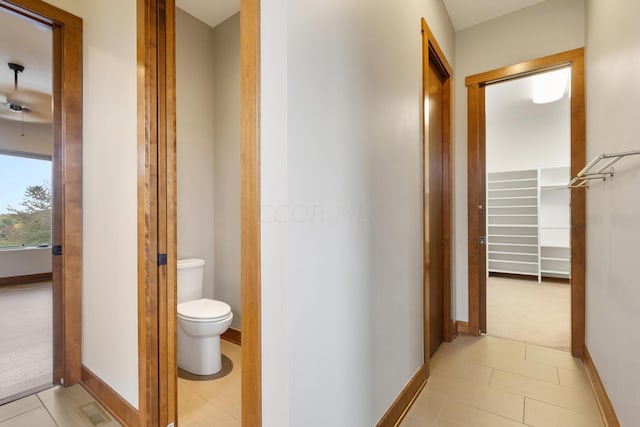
(550, 86)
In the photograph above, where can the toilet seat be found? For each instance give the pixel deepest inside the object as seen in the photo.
(204, 310)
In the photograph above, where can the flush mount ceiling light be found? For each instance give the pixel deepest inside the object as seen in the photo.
(550, 86)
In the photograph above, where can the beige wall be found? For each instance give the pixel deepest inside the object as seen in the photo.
(226, 164)
(38, 137)
(613, 207)
(208, 96)
(110, 269)
(195, 150)
(543, 29)
(341, 196)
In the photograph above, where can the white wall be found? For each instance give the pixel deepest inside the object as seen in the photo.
(24, 261)
(195, 151)
(110, 281)
(543, 29)
(613, 207)
(341, 194)
(226, 164)
(527, 138)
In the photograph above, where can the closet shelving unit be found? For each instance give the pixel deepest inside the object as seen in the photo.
(528, 222)
(512, 222)
(555, 223)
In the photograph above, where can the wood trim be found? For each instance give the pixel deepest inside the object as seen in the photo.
(250, 212)
(476, 163)
(462, 327)
(233, 335)
(169, 349)
(525, 68)
(401, 405)
(67, 183)
(578, 207)
(475, 97)
(26, 279)
(604, 404)
(431, 51)
(43, 12)
(119, 408)
(148, 271)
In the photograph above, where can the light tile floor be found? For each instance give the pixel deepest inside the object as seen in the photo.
(493, 382)
(214, 402)
(55, 407)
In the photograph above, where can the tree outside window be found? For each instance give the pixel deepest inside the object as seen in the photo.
(25, 221)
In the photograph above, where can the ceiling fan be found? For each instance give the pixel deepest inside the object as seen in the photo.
(24, 104)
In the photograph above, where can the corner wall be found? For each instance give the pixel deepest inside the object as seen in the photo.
(613, 207)
(226, 164)
(543, 29)
(195, 135)
(341, 195)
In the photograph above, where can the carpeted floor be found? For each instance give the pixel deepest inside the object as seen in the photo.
(26, 348)
(528, 311)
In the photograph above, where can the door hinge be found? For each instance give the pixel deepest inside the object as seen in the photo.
(483, 240)
(162, 259)
(56, 249)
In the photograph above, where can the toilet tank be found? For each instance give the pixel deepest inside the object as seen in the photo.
(190, 279)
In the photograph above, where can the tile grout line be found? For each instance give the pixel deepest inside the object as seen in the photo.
(18, 415)
(447, 399)
(47, 409)
(484, 409)
(586, 414)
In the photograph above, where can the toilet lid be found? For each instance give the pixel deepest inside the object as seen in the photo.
(204, 309)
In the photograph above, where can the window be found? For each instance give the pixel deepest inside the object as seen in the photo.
(25, 199)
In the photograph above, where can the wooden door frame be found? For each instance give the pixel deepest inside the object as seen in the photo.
(157, 195)
(67, 183)
(432, 54)
(476, 181)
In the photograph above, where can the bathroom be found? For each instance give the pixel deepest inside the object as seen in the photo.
(208, 182)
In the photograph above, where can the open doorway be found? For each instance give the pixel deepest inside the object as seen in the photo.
(528, 250)
(40, 199)
(209, 309)
(26, 149)
(477, 197)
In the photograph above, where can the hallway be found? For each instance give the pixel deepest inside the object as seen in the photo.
(492, 382)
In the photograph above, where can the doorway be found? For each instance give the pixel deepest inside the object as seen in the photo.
(157, 234)
(65, 204)
(528, 202)
(437, 74)
(478, 263)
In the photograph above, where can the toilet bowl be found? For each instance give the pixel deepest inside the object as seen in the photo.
(201, 321)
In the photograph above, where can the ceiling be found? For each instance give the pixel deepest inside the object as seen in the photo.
(512, 100)
(27, 43)
(211, 12)
(467, 13)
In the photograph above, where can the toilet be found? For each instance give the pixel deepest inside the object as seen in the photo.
(201, 321)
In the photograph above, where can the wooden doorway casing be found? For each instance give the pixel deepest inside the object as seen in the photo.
(157, 195)
(433, 58)
(67, 182)
(477, 186)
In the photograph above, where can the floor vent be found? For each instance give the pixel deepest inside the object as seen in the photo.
(94, 414)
